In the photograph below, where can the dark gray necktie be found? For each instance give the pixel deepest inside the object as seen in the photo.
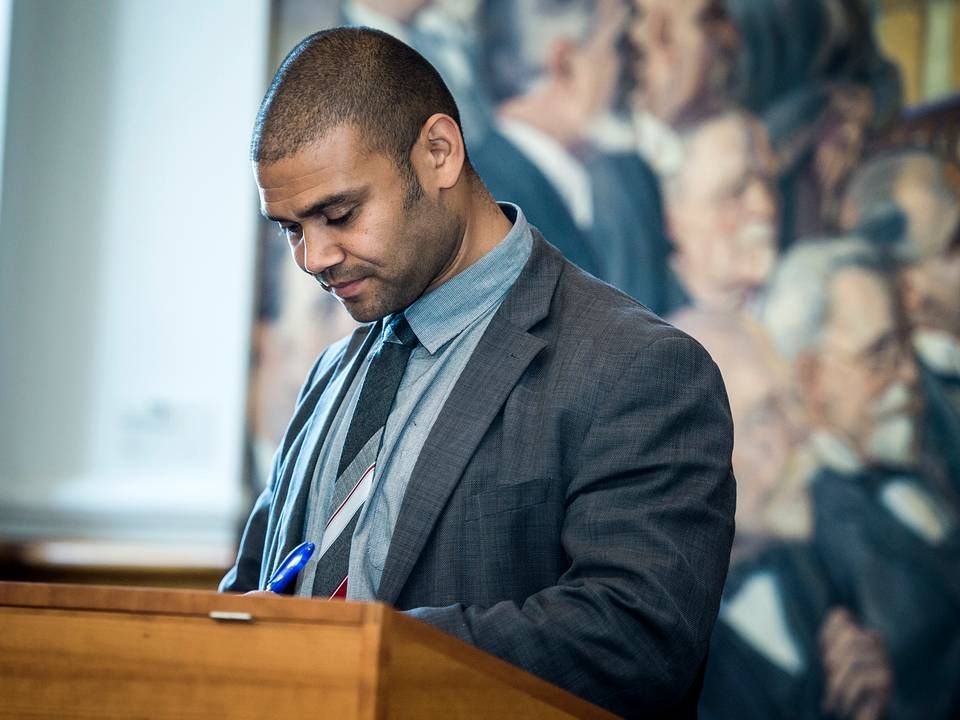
(359, 457)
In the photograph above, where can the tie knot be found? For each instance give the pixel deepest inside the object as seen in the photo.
(402, 330)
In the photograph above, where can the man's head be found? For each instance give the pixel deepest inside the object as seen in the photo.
(916, 184)
(833, 314)
(722, 211)
(560, 58)
(685, 51)
(359, 157)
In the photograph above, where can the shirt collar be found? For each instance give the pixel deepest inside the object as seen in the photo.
(445, 312)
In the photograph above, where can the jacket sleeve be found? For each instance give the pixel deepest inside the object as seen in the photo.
(245, 573)
(647, 530)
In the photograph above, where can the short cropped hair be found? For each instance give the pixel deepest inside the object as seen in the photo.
(350, 76)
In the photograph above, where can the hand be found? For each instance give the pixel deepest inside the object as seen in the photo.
(261, 593)
(856, 667)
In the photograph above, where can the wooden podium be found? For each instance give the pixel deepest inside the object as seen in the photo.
(73, 651)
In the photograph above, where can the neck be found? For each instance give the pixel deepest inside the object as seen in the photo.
(481, 226)
(548, 114)
(485, 225)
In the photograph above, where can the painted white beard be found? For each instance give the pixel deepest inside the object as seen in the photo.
(892, 441)
(940, 350)
(835, 452)
(757, 234)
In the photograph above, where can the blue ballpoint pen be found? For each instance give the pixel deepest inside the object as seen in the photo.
(291, 565)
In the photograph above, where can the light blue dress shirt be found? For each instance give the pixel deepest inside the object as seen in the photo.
(449, 323)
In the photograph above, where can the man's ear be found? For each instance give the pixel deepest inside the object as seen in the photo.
(559, 60)
(439, 153)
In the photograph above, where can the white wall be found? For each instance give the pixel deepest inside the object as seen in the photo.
(6, 9)
(127, 236)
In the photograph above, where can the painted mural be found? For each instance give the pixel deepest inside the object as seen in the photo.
(778, 178)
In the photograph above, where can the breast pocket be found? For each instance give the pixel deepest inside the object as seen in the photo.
(516, 531)
(505, 498)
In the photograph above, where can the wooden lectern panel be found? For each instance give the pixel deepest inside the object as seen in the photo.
(90, 652)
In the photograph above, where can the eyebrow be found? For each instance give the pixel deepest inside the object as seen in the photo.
(323, 205)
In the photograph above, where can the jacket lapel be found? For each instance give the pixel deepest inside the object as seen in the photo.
(497, 363)
(290, 522)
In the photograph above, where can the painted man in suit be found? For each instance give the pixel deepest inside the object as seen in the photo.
(914, 187)
(722, 213)
(552, 480)
(890, 544)
(784, 645)
(556, 148)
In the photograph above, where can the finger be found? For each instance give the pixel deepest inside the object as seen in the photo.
(836, 619)
(839, 659)
(865, 663)
(836, 644)
(873, 708)
(849, 640)
(865, 690)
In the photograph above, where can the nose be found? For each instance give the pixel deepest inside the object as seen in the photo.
(318, 250)
(659, 28)
(759, 199)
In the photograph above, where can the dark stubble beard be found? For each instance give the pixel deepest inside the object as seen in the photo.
(434, 236)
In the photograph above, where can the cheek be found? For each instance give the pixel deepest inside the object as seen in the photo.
(692, 58)
(849, 393)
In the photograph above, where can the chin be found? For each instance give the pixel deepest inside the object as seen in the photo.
(365, 316)
(372, 310)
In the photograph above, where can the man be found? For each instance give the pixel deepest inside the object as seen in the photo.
(889, 544)
(914, 187)
(783, 645)
(722, 213)
(814, 72)
(684, 59)
(556, 73)
(548, 476)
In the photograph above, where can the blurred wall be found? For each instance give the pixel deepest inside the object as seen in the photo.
(127, 243)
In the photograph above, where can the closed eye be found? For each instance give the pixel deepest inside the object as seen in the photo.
(342, 219)
(290, 230)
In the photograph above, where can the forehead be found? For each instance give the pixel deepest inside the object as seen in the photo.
(727, 150)
(339, 159)
(861, 309)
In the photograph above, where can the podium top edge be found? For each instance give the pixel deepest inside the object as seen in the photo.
(200, 603)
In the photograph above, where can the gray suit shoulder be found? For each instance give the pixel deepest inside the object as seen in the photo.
(618, 323)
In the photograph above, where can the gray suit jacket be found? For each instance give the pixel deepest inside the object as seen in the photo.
(572, 508)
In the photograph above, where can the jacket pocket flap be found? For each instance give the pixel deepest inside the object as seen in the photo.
(508, 497)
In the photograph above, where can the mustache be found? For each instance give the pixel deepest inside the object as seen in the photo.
(339, 276)
(757, 232)
(899, 400)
